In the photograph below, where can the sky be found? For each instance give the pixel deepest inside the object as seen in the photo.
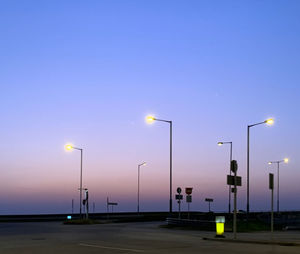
(88, 72)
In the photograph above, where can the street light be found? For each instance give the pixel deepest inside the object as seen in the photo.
(151, 119)
(70, 147)
(285, 160)
(138, 196)
(229, 198)
(269, 121)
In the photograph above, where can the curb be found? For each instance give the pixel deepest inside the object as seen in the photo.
(252, 241)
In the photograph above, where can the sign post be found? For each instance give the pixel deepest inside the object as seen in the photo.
(72, 206)
(188, 192)
(112, 204)
(271, 187)
(236, 181)
(209, 200)
(178, 197)
(86, 202)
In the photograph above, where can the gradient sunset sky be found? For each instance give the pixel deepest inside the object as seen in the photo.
(88, 72)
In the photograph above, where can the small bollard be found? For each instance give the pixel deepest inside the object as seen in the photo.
(220, 222)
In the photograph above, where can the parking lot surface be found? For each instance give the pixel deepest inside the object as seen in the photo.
(142, 237)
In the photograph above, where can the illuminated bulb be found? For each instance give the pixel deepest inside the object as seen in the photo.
(269, 121)
(286, 160)
(69, 147)
(150, 119)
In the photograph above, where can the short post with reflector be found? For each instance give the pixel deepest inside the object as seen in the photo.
(220, 221)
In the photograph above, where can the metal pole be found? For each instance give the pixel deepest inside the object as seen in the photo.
(138, 195)
(87, 208)
(234, 213)
(278, 187)
(272, 213)
(170, 166)
(229, 201)
(72, 206)
(248, 152)
(80, 200)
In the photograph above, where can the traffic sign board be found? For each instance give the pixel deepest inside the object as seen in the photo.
(230, 180)
(188, 190)
(233, 166)
(271, 181)
(189, 199)
(179, 197)
(111, 203)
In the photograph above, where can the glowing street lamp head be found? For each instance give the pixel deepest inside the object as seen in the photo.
(286, 160)
(220, 143)
(150, 119)
(269, 162)
(269, 121)
(144, 163)
(69, 147)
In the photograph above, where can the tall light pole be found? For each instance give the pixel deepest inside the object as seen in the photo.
(286, 160)
(270, 122)
(138, 193)
(151, 119)
(229, 198)
(70, 147)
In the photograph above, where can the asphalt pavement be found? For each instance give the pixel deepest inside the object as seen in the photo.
(142, 237)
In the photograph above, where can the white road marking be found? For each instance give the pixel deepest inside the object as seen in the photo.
(111, 248)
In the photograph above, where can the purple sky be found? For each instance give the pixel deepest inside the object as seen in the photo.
(88, 72)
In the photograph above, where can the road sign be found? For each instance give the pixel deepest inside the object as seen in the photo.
(188, 190)
(179, 197)
(179, 190)
(209, 200)
(111, 203)
(271, 181)
(189, 199)
(233, 166)
(230, 180)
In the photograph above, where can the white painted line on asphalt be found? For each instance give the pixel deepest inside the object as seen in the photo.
(111, 248)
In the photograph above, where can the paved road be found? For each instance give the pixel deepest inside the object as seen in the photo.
(53, 237)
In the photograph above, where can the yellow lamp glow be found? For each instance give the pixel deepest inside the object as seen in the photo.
(270, 163)
(286, 160)
(220, 221)
(220, 143)
(269, 121)
(69, 147)
(220, 228)
(150, 119)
